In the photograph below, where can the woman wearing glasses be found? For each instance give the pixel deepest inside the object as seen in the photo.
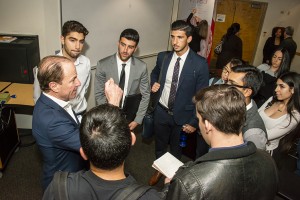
(280, 64)
(225, 72)
(281, 112)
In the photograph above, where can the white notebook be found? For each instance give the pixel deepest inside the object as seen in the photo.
(167, 165)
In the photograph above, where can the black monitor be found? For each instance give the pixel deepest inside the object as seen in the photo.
(18, 58)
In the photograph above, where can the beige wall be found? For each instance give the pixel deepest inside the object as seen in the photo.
(280, 13)
(42, 17)
(38, 17)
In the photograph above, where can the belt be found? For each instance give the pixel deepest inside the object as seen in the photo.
(170, 112)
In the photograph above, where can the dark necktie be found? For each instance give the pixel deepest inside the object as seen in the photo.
(174, 85)
(122, 81)
(122, 77)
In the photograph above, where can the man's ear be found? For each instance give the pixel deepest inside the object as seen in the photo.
(62, 40)
(83, 154)
(53, 86)
(208, 126)
(133, 138)
(189, 39)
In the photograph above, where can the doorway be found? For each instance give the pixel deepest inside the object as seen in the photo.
(249, 14)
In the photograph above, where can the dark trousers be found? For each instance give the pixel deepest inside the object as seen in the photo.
(166, 132)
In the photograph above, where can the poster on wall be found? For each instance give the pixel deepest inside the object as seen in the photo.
(199, 14)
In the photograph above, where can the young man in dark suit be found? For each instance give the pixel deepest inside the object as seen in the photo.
(183, 73)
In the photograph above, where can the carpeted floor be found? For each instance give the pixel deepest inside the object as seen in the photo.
(22, 176)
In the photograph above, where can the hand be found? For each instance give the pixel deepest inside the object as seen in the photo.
(113, 92)
(132, 125)
(155, 87)
(167, 180)
(188, 128)
(194, 10)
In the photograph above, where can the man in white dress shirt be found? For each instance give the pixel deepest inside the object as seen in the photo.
(72, 40)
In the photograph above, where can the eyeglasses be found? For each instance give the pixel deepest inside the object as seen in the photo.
(239, 86)
(225, 70)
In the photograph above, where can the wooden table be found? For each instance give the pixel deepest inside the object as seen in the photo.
(4, 85)
(23, 92)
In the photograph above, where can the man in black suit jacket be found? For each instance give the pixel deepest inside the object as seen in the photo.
(288, 43)
(183, 73)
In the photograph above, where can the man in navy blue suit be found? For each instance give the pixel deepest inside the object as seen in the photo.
(182, 73)
(54, 124)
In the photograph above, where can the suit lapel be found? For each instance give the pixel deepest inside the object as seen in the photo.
(185, 69)
(114, 68)
(133, 70)
(165, 68)
(55, 106)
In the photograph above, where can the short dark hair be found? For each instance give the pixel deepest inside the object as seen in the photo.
(105, 136)
(182, 26)
(223, 106)
(50, 70)
(252, 79)
(289, 30)
(131, 34)
(73, 26)
(236, 61)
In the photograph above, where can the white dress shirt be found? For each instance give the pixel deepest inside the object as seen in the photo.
(83, 68)
(167, 87)
(127, 72)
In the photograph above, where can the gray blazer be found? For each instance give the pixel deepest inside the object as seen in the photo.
(138, 82)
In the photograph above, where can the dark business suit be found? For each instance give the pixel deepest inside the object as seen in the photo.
(57, 136)
(290, 45)
(194, 76)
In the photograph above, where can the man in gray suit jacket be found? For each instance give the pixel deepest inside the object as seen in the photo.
(128, 71)
(248, 79)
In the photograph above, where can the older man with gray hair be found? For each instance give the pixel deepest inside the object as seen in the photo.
(288, 43)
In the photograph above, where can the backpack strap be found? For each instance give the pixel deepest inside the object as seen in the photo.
(132, 192)
(60, 185)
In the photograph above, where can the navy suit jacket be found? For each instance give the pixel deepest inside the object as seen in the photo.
(57, 136)
(194, 76)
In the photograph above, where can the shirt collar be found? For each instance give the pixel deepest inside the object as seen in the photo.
(249, 105)
(119, 61)
(60, 102)
(77, 61)
(232, 147)
(183, 56)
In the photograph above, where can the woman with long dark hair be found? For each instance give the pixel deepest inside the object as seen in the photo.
(281, 113)
(280, 64)
(232, 46)
(272, 44)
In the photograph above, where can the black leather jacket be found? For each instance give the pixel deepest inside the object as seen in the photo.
(234, 173)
